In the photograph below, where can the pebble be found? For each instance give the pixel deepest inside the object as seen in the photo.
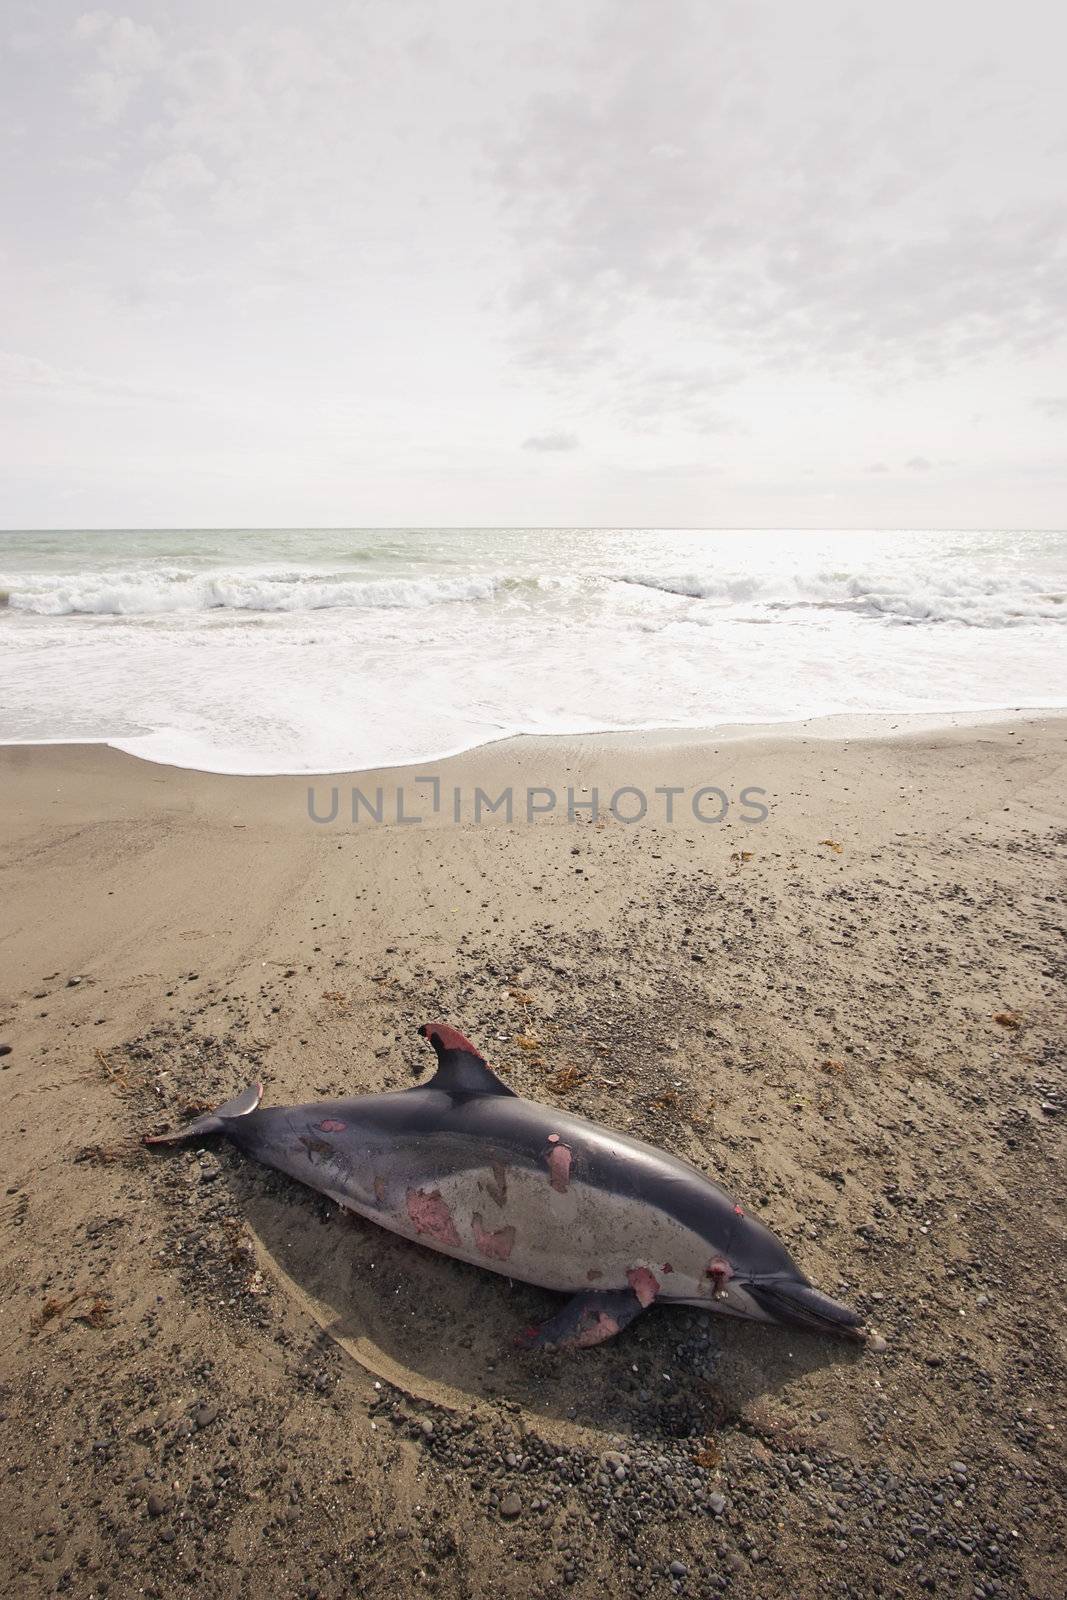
(510, 1506)
(5, 1049)
(205, 1415)
(156, 1505)
(717, 1502)
(678, 1569)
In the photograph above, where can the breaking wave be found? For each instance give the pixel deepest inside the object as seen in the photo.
(174, 591)
(930, 596)
(917, 597)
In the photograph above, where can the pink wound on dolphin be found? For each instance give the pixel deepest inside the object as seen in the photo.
(559, 1166)
(494, 1246)
(431, 1215)
(331, 1125)
(720, 1272)
(590, 1333)
(644, 1284)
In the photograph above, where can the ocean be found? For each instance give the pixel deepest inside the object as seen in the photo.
(311, 650)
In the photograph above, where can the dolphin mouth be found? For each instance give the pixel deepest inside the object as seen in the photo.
(791, 1300)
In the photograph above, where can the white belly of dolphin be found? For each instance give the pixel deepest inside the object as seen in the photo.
(565, 1236)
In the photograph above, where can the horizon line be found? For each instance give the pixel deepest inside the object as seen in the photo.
(540, 527)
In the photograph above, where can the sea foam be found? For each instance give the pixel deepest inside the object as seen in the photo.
(330, 650)
(125, 594)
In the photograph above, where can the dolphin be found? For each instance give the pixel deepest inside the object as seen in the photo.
(464, 1165)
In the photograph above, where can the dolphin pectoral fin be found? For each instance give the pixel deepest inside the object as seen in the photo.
(586, 1320)
(214, 1121)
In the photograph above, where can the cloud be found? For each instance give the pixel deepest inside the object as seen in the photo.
(182, 169)
(649, 393)
(26, 42)
(876, 466)
(549, 442)
(696, 185)
(22, 373)
(126, 52)
(918, 464)
(247, 127)
(761, 241)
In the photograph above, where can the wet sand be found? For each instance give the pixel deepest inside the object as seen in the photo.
(851, 1014)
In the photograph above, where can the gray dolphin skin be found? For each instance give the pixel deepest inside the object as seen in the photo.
(465, 1166)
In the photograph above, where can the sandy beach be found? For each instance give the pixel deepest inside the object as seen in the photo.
(850, 1012)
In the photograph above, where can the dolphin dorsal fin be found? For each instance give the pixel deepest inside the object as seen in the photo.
(461, 1073)
(460, 1069)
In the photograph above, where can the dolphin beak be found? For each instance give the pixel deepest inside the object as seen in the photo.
(793, 1301)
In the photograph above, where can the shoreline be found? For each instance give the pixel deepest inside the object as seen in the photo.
(837, 725)
(849, 1014)
(713, 785)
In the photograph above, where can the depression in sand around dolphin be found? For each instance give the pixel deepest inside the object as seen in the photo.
(464, 1165)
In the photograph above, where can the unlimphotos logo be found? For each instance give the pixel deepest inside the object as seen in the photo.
(408, 805)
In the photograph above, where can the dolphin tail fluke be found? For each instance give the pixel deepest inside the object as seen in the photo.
(791, 1300)
(213, 1121)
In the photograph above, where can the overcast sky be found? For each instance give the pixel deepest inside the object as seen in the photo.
(451, 262)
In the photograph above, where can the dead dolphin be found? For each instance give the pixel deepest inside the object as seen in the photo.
(465, 1166)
